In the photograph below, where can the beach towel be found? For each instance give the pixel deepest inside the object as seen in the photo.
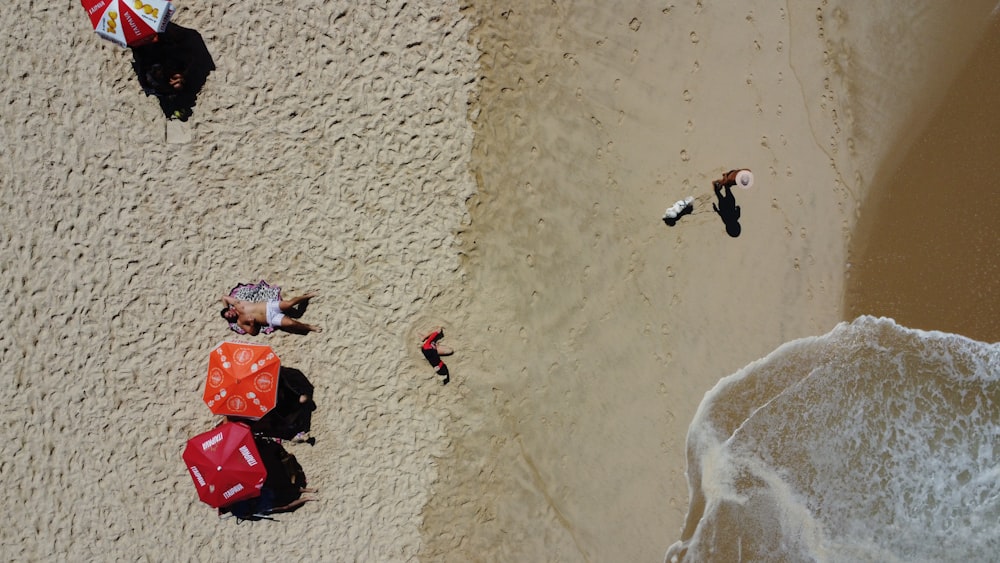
(260, 292)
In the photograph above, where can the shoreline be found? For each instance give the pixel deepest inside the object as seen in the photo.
(599, 328)
(921, 254)
(506, 182)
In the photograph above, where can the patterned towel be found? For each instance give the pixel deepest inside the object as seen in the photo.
(257, 292)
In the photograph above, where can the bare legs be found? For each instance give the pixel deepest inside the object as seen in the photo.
(291, 324)
(297, 502)
(294, 301)
(441, 350)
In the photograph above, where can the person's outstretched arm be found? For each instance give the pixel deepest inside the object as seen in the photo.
(251, 327)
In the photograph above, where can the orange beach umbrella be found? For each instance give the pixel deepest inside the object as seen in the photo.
(242, 380)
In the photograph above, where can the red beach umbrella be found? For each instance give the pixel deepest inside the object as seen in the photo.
(242, 380)
(129, 22)
(225, 465)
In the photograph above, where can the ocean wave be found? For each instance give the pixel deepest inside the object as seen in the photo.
(874, 442)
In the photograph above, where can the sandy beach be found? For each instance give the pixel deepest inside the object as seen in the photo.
(497, 170)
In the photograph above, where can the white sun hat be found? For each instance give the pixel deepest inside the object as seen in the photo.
(744, 179)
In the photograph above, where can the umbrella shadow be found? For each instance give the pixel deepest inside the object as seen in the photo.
(292, 413)
(282, 489)
(727, 208)
(178, 50)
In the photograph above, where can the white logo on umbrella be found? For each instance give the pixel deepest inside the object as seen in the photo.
(236, 404)
(243, 356)
(264, 382)
(215, 377)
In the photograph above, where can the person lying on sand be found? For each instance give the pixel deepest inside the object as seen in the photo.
(433, 352)
(251, 316)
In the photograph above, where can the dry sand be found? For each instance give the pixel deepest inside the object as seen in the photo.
(329, 152)
(333, 149)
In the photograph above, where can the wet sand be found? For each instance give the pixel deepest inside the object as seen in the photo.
(925, 249)
(597, 328)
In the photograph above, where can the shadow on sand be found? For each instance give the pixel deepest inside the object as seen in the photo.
(178, 50)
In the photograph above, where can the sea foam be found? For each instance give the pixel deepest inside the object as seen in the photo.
(874, 442)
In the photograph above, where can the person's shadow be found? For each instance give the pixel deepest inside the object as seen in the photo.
(176, 51)
(727, 208)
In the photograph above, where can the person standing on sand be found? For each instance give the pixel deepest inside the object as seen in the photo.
(740, 177)
(251, 316)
